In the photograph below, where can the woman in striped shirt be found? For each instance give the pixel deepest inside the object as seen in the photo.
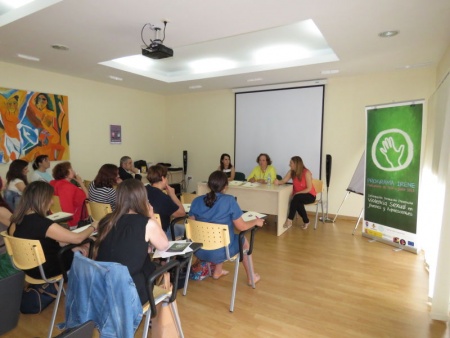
(102, 188)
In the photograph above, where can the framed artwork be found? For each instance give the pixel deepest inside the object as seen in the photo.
(32, 124)
(115, 134)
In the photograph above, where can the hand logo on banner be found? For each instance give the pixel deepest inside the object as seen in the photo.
(391, 146)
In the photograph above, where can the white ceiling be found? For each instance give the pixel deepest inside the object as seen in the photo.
(101, 30)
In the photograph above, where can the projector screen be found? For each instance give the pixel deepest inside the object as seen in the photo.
(282, 123)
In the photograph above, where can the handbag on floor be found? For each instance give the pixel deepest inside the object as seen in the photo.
(36, 297)
(164, 325)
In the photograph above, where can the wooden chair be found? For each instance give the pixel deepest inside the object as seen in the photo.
(187, 198)
(97, 211)
(27, 254)
(318, 186)
(216, 236)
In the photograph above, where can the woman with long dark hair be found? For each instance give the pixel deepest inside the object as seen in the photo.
(125, 234)
(218, 207)
(16, 181)
(29, 221)
(5, 216)
(303, 190)
(102, 188)
(226, 166)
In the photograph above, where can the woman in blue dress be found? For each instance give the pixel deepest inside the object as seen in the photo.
(218, 207)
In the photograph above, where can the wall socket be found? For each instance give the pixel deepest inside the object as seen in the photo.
(189, 177)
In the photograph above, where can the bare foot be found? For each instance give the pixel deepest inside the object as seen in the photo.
(256, 279)
(223, 273)
(305, 226)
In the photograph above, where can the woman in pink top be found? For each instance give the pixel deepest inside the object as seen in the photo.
(303, 192)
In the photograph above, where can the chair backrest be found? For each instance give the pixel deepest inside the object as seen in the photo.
(187, 198)
(87, 183)
(158, 219)
(98, 210)
(238, 176)
(25, 253)
(318, 186)
(212, 236)
(279, 178)
(56, 206)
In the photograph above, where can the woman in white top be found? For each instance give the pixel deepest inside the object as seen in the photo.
(227, 167)
(16, 181)
(40, 166)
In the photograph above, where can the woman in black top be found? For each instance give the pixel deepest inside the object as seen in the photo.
(29, 221)
(125, 234)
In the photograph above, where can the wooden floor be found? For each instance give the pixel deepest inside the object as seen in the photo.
(314, 283)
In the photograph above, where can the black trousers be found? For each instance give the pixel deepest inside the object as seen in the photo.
(298, 205)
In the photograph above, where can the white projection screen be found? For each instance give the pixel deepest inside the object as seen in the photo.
(282, 123)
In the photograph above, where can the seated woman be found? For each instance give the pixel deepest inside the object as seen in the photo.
(127, 169)
(217, 207)
(5, 216)
(70, 196)
(29, 221)
(40, 166)
(102, 189)
(226, 166)
(263, 171)
(303, 190)
(166, 204)
(16, 181)
(125, 234)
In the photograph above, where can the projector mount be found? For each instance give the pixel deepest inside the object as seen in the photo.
(156, 41)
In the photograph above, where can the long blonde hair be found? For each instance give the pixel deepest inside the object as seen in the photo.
(299, 167)
(131, 195)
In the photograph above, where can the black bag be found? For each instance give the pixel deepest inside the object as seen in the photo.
(37, 297)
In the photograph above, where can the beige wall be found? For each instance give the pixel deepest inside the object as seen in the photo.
(93, 107)
(157, 128)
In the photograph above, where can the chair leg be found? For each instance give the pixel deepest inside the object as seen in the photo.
(250, 268)
(186, 281)
(55, 308)
(317, 215)
(148, 315)
(233, 292)
(177, 319)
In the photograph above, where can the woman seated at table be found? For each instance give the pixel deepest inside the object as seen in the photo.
(226, 166)
(5, 216)
(125, 234)
(70, 196)
(303, 190)
(218, 207)
(263, 170)
(102, 188)
(28, 221)
(16, 181)
(40, 166)
(164, 201)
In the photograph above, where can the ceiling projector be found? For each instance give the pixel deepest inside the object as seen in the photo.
(157, 51)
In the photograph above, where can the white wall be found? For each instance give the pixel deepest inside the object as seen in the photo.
(93, 107)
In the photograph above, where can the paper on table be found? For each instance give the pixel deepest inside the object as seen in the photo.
(165, 254)
(235, 183)
(250, 184)
(252, 215)
(187, 207)
(80, 229)
(59, 215)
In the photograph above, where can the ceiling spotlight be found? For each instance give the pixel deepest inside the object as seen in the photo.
(115, 78)
(60, 47)
(388, 34)
(330, 71)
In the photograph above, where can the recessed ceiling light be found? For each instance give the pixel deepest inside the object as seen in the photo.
(388, 34)
(195, 87)
(280, 53)
(28, 57)
(211, 65)
(331, 71)
(116, 78)
(256, 79)
(16, 3)
(60, 47)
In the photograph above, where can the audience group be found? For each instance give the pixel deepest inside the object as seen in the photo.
(126, 234)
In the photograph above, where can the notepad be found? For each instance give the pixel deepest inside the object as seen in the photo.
(252, 215)
(187, 207)
(60, 215)
(167, 253)
(178, 247)
(80, 229)
(250, 184)
(235, 183)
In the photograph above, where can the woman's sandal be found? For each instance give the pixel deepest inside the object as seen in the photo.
(224, 273)
(305, 226)
(287, 224)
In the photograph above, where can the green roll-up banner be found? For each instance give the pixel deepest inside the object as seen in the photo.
(394, 137)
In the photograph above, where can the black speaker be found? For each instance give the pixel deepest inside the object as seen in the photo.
(328, 169)
(185, 159)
